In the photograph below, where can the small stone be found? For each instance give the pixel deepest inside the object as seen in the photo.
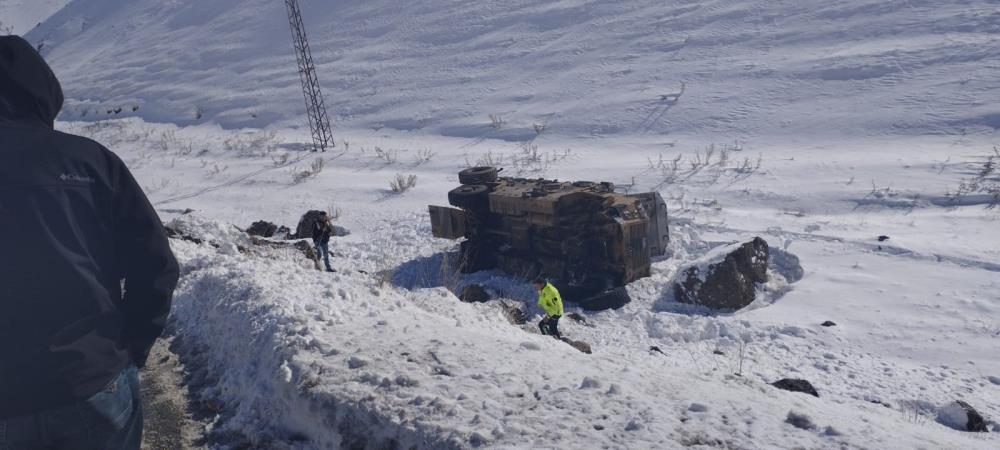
(474, 293)
(828, 323)
(577, 318)
(583, 347)
(795, 385)
(590, 383)
(356, 363)
(697, 407)
(800, 421)
(262, 228)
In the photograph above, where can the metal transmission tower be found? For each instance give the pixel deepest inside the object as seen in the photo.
(319, 122)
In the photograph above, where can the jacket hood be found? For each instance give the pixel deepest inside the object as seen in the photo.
(29, 91)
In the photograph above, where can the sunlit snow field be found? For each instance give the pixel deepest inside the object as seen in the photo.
(818, 126)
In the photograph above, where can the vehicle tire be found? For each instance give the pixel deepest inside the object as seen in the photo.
(478, 175)
(610, 299)
(470, 196)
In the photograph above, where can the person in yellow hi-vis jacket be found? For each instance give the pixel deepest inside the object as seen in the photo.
(551, 302)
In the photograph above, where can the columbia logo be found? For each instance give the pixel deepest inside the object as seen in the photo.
(76, 178)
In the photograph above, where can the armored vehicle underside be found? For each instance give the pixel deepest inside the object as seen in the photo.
(588, 239)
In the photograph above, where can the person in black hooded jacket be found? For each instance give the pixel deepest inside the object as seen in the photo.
(86, 274)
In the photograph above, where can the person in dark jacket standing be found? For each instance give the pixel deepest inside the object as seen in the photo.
(322, 230)
(86, 274)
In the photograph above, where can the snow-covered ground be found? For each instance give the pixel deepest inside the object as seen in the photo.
(818, 126)
(312, 360)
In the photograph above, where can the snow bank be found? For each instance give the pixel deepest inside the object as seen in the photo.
(303, 359)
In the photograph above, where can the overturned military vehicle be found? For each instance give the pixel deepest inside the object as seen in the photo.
(586, 237)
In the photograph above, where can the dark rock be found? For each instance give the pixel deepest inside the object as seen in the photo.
(794, 385)
(800, 421)
(577, 318)
(883, 238)
(828, 323)
(262, 228)
(657, 350)
(718, 352)
(339, 231)
(356, 363)
(963, 417)
(474, 293)
(514, 314)
(579, 345)
(729, 284)
(305, 226)
(176, 234)
(303, 247)
(308, 251)
(283, 232)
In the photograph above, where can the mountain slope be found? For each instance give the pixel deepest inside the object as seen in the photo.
(23, 15)
(729, 68)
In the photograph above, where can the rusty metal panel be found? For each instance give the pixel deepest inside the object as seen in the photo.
(659, 230)
(447, 223)
(635, 240)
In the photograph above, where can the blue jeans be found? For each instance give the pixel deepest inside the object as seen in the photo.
(108, 420)
(322, 251)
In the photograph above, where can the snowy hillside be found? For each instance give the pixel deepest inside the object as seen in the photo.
(23, 15)
(727, 68)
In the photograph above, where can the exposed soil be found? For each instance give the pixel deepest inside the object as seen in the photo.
(168, 424)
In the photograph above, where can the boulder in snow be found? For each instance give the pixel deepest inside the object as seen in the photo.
(339, 231)
(962, 416)
(262, 228)
(514, 314)
(828, 323)
(305, 226)
(474, 293)
(583, 347)
(356, 363)
(800, 421)
(577, 318)
(795, 385)
(727, 283)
